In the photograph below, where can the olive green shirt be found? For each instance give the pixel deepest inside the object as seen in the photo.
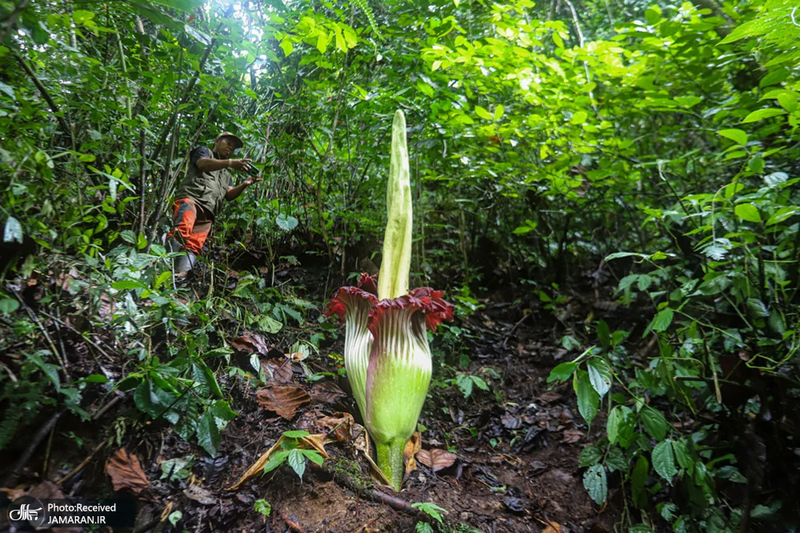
(206, 188)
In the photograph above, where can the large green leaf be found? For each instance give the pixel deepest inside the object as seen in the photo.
(664, 460)
(208, 434)
(588, 399)
(596, 484)
(600, 375)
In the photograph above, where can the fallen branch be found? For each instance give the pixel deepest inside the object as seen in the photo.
(82, 465)
(11, 478)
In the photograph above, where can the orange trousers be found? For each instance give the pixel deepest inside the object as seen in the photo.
(192, 224)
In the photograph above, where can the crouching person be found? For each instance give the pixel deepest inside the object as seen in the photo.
(200, 197)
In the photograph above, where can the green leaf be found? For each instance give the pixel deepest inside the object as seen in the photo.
(296, 434)
(579, 117)
(638, 480)
(603, 333)
(482, 113)
(756, 308)
(126, 284)
(297, 461)
(600, 375)
(662, 320)
(588, 399)
(164, 276)
(286, 46)
(208, 434)
(177, 468)
(776, 178)
(81, 16)
(782, 214)
(276, 460)
(654, 423)
(314, 456)
(747, 212)
(788, 101)
(96, 378)
(615, 460)
(498, 112)
(736, 135)
(595, 483)
(8, 305)
(263, 507)
(13, 231)
(664, 460)
(591, 455)
(761, 114)
(562, 372)
(286, 223)
(616, 418)
(267, 324)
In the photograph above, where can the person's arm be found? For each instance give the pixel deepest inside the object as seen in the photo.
(206, 164)
(234, 192)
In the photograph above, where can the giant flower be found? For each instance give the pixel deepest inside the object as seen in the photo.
(386, 354)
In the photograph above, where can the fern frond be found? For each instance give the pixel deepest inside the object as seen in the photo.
(8, 427)
(364, 6)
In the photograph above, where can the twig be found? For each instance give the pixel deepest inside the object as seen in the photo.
(56, 111)
(82, 464)
(11, 477)
(35, 318)
(47, 452)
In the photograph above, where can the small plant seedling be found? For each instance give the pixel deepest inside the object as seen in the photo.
(292, 454)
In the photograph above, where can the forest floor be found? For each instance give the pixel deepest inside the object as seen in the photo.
(512, 464)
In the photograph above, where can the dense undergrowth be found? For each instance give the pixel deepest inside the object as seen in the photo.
(655, 143)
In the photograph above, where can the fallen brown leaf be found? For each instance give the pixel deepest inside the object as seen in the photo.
(571, 436)
(199, 494)
(552, 527)
(284, 400)
(250, 342)
(549, 396)
(338, 427)
(126, 472)
(47, 490)
(325, 392)
(279, 370)
(436, 459)
(413, 446)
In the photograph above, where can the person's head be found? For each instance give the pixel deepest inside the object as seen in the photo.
(226, 143)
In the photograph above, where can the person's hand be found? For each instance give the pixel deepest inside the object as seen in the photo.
(239, 164)
(251, 180)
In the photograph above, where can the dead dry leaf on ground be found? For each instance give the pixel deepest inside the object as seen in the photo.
(552, 527)
(571, 436)
(413, 446)
(549, 396)
(436, 459)
(337, 427)
(250, 342)
(199, 494)
(280, 370)
(47, 490)
(283, 400)
(326, 392)
(126, 472)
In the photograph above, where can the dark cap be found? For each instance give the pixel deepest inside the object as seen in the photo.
(237, 142)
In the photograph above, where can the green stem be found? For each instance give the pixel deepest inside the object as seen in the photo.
(390, 461)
